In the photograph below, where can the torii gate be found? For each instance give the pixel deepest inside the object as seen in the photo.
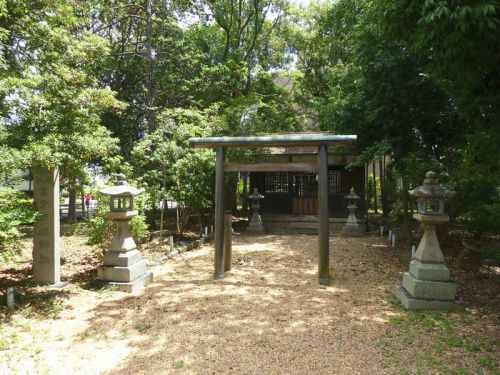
(322, 141)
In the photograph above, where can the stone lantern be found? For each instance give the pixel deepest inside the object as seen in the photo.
(255, 224)
(122, 265)
(351, 226)
(427, 286)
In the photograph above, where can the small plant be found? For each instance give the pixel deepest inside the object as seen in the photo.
(26, 310)
(139, 229)
(262, 341)
(142, 326)
(123, 329)
(179, 364)
(53, 308)
(60, 337)
(100, 229)
(92, 333)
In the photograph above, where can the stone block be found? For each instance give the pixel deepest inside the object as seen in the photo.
(129, 287)
(255, 227)
(412, 303)
(121, 274)
(46, 230)
(429, 271)
(122, 241)
(352, 230)
(120, 259)
(424, 289)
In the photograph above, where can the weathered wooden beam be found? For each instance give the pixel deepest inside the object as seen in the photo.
(219, 213)
(289, 140)
(271, 167)
(228, 234)
(323, 228)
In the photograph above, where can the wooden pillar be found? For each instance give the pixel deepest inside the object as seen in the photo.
(219, 213)
(323, 227)
(228, 234)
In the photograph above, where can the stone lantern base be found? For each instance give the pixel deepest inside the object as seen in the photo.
(255, 225)
(352, 228)
(412, 303)
(129, 287)
(427, 285)
(123, 266)
(124, 270)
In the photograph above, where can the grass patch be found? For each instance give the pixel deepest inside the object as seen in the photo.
(53, 308)
(489, 363)
(453, 341)
(94, 334)
(440, 348)
(406, 372)
(179, 364)
(262, 341)
(473, 347)
(8, 340)
(400, 322)
(142, 326)
(393, 301)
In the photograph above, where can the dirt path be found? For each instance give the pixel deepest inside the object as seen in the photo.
(268, 316)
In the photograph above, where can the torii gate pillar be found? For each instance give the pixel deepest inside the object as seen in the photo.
(323, 227)
(219, 213)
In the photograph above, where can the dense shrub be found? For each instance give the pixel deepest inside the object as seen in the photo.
(16, 208)
(101, 229)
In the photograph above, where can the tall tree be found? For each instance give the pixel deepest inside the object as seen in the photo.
(52, 97)
(419, 79)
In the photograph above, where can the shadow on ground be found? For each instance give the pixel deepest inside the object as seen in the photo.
(269, 315)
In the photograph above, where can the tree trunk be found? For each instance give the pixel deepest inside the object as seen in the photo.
(72, 205)
(367, 196)
(162, 208)
(383, 192)
(200, 225)
(82, 197)
(406, 218)
(182, 220)
(178, 221)
(162, 205)
(150, 84)
(375, 205)
(186, 214)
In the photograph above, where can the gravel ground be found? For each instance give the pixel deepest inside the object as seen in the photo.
(268, 315)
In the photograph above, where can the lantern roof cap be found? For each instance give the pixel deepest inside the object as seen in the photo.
(121, 188)
(431, 189)
(352, 194)
(256, 194)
